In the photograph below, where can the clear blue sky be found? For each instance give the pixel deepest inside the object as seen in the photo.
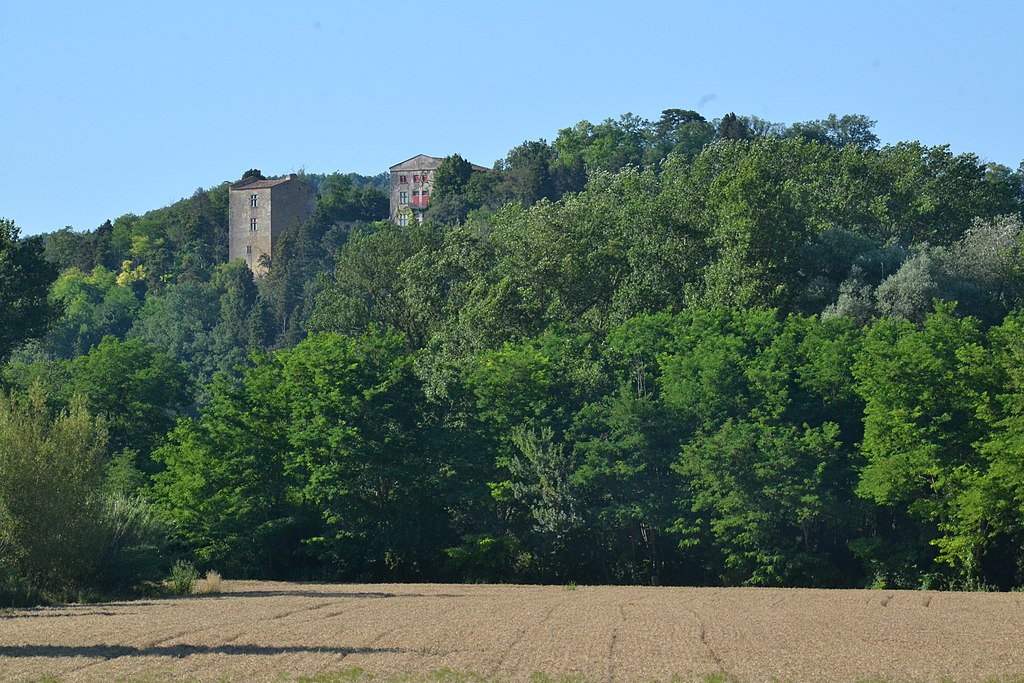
(117, 107)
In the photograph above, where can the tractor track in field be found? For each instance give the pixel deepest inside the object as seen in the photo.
(278, 631)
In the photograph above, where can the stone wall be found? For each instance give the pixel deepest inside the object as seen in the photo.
(412, 169)
(279, 205)
(244, 242)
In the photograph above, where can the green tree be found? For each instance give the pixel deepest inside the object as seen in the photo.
(925, 391)
(526, 174)
(682, 131)
(451, 176)
(140, 391)
(449, 204)
(95, 305)
(768, 461)
(228, 484)
(757, 218)
(981, 538)
(526, 397)
(321, 460)
(50, 472)
(732, 127)
(179, 322)
(850, 129)
(25, 278)
(368, 286)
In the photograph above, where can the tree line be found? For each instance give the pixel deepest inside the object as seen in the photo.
(718, 353)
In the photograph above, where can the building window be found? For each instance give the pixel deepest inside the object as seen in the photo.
(424, 199)
(424, 177)
(403, 220)
(415, 197)
(403, 179)
(252, 224)
(403, 198)
(415, 178)
(254, 200)
(248, 249)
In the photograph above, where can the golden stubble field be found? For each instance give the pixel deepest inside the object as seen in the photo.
(281, 631)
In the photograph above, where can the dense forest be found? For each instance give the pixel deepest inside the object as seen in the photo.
(682, 351)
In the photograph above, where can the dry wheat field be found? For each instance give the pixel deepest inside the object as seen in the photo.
(284, 631)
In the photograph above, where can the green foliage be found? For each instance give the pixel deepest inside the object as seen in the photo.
(671, 351)
(183, 578)
(180, 322)
(987, 516)
(851, 129)
(766, 462)
(60, 531)
(451, 176)
(50, 476)
(452, 198)
(139, 390)
(95, 305)
(135, 542)
(25, 312)
(483, 557)
(922, 388)
(926, 391)
(321, 455)
(732, 127)
(368, 287)
(225, 485)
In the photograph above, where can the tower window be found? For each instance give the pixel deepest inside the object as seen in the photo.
(252, 224)
(248, 249)
(254, 200)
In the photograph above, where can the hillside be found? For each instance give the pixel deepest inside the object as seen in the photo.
(683, 352)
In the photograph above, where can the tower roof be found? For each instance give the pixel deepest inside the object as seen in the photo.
(259, 184)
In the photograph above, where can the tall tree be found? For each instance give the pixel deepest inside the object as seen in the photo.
(731, 127)
(25, 278)
(850, 129)
(926, 390)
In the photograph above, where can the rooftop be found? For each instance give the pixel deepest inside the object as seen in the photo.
(259, 184)
(422, 162)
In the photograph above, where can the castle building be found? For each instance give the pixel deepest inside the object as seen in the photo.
(259, 211)
(412, 184)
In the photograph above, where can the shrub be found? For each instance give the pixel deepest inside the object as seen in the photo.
(133, 544)
(183, 578)
(210, 584)
(50, 503)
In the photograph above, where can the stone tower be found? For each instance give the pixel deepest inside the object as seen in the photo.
(259, 211)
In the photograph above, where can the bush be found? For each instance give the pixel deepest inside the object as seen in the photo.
(133, 545)
(65, 532)
(210, 584)
(51, 475)
(183, 578)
